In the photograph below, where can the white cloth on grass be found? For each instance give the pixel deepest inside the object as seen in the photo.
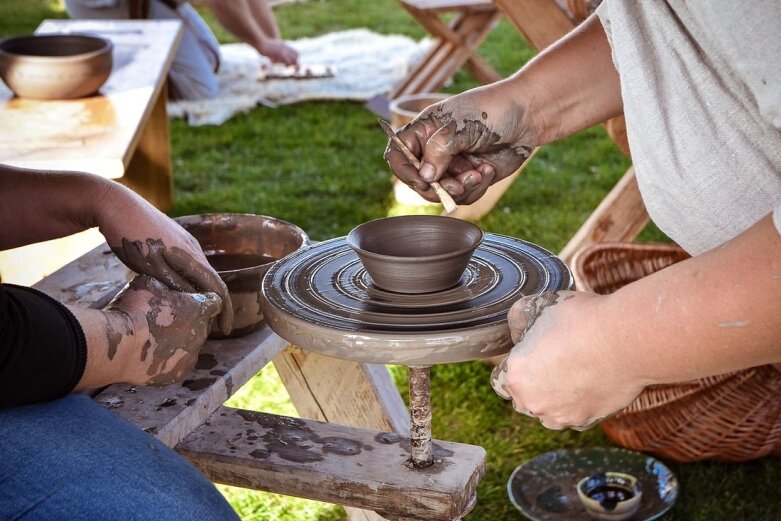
(367, 64)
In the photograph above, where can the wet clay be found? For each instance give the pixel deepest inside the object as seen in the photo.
(415, 253)
(241, 248)
(206, 361)
(177, 269)
(236, 261)
(290, 439)
(493, 146)
(323, 300)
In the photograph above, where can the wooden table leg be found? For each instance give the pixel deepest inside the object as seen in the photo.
(150, 171)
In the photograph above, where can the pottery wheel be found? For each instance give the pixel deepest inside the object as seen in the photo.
(322, 299)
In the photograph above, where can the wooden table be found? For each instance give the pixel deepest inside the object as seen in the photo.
(455, 43)
(121, 133)
(351, 450)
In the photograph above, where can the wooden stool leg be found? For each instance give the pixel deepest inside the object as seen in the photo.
(150, 172)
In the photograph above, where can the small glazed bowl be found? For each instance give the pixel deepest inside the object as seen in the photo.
(415, 253)
(55, 66)
(241, 248)
(610, 495)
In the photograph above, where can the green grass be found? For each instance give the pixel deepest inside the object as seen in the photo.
(320, 165)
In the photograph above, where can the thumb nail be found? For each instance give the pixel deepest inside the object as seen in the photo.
(427, 172)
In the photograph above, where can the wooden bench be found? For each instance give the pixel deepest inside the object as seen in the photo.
(122, 133)
(455, 43)
(351, 450)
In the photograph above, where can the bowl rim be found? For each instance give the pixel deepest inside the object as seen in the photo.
(306, 242)
(352, 241)
(107, 47)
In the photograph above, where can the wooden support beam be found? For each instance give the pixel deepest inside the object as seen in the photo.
(337, 391)
(336, 464)
(620, 217)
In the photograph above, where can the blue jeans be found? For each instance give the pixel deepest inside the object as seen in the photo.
(71, 459)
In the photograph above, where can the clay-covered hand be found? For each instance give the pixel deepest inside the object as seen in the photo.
(151, 243)
(167, 327)
(466, 142)
(560, 370)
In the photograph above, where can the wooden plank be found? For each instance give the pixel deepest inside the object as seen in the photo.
(621, 216)
(336, 464)
(541, 22)
(150, 171)
(91, 281)
(172, 412)
(339, 391)
(451, 5)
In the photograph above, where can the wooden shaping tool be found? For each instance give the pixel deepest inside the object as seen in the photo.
(444, 197)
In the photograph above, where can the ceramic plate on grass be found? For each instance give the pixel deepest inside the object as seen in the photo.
(543, 488)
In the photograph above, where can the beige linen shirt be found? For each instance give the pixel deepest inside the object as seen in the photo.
(701, 84)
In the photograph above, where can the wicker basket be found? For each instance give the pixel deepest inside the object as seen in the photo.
(729, 417)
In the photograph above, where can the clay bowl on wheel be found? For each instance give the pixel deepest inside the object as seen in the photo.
(55, 66)
(415, 253)
(242, 247)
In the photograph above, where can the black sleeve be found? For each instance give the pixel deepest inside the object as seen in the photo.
(43, 351)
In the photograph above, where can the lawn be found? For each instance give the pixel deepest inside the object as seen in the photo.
(320, 166)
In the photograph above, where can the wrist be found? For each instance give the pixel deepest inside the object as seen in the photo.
(131, 333)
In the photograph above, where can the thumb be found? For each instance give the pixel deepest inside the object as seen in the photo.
(441, 147)
(211, 303)
(525, 312)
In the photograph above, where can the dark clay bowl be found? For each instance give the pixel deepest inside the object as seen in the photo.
(55, 66)
(415, 253)
(242, 247)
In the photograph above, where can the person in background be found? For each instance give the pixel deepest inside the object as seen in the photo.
(698, 84)
(193, 73)
(62, 455)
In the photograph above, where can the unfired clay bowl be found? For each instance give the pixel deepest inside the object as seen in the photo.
(611, 496)
(406, 108)
(55, 66)
(242, 247)
(415, 253)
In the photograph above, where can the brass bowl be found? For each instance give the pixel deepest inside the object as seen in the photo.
(242, 247)
(415, 253)
(55, 66)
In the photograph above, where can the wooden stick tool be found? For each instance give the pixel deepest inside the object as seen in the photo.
(444, 197)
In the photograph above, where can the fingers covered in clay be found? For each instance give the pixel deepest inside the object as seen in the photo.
(560, 369)
(466, 143)
(170, 327)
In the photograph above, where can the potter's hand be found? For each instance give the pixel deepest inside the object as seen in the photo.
(150, 243)
(168, 329)
(558, 371)
(466, 142)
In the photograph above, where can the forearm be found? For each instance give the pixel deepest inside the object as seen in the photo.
(712, 314)
(236, 16)
(38, 205)
(570, 86)
(264, 17)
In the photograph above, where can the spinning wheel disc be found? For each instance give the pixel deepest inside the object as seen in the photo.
(323, 300)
